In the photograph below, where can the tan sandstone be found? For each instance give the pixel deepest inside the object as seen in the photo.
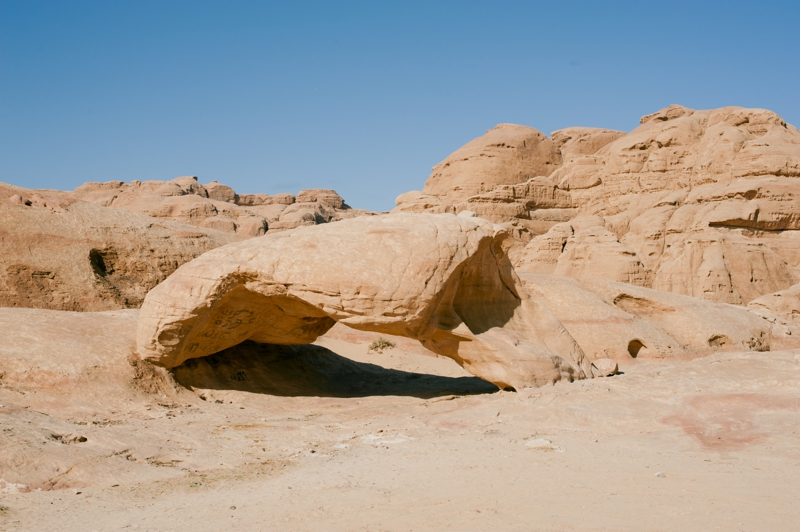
(440, 279)
(66, 254)
(624, 322)
(217, 206)
(701, 203)
(784, 304)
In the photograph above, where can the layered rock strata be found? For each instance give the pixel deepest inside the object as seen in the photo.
(217, 206)
(64, 254)
(623, 322)
(701, 203)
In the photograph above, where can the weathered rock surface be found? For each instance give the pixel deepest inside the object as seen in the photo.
(105, 245)
(584, 248)
(78, 408)
(505, 155)
(574, 142)
(785, 304)
(620, 321)
(701, 203)
(218, 206)
(60, 253)
(604, 367)
(440, 279)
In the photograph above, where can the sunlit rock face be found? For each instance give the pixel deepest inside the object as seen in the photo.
(701, 203)
(441, 279)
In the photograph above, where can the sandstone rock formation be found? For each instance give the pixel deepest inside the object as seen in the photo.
(78, 408)
(506, 154)
(105, 245)
(440, 279)
(60, 253)
(218, 206)
(784, 304)
(701, 203)
(584, 248)
(621, 321)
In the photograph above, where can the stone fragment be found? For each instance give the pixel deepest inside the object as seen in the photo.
(604, 367)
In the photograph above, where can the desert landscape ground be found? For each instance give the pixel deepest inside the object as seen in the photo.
(592, 330)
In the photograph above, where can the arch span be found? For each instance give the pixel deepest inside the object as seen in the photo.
(440, 279)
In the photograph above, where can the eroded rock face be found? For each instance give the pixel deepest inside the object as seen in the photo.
(784, 304)
(505, 155)
(706, 200)
(574, 142)
(183, 200)
(620, 321)
(440, 279)
(701, 203)
(584, 248)
(105, 245)
(217, 206)
(63, 254)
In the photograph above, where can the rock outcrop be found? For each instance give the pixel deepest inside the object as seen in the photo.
(440, 279)
(64, 254)
(784, 304)
(217, 206)
(701, 203)
(621, 321)
(105, 245)
(584, 248)
(506, 154)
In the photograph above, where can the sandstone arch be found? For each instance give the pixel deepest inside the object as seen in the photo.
(443, 280)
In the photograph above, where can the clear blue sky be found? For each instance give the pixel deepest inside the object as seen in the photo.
(361, 97)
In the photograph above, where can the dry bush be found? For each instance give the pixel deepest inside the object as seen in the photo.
(380, 344)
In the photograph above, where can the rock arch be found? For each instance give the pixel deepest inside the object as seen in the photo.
(443, 280)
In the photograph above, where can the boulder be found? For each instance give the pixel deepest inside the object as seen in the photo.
(220, 192)
(324, 196)
(604, 367)
(440, 279)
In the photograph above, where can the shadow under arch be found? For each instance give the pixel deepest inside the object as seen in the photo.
(313, 371)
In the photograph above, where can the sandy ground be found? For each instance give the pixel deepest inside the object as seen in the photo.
(401, 441)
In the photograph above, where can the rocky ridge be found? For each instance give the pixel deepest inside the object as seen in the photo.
(105, 245)
(701, 203)
(217, 206)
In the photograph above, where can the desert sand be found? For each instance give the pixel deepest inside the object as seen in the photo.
(346, 439)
